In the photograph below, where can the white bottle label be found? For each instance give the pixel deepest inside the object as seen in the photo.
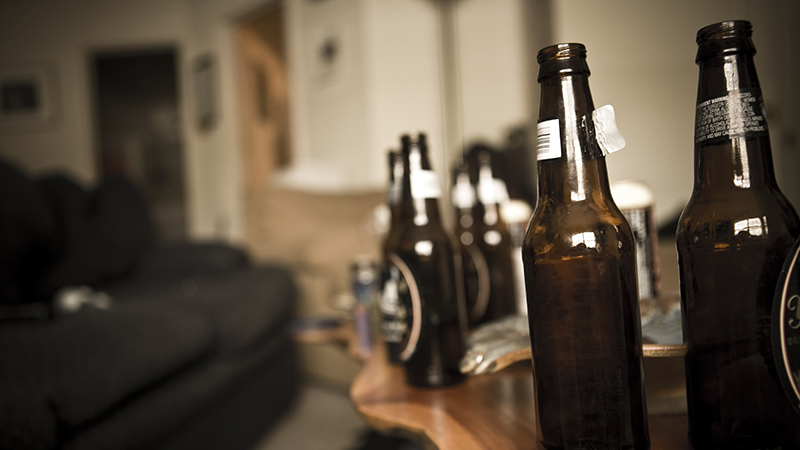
(425, 184)
(548, 140)
(411, 306)
(463, 194)
(605, 126)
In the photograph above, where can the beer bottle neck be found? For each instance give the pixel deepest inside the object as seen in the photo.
(732, 147)
(489, 194)
(394, 194)
(421, 189)
(581, 168)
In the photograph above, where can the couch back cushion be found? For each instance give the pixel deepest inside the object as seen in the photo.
(104, 232)
(120, 222)
(28, 239)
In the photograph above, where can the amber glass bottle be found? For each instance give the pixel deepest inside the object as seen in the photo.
(580, 277)
(425, 257)
(732, 239)
(494, 240)
(393, 327)
(473, 263)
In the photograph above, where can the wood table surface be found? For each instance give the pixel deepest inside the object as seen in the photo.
(486, 412)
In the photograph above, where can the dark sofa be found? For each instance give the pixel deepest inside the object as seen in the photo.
(112, 340)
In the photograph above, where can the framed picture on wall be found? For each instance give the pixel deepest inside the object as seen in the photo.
(204, 90)
(28, 96)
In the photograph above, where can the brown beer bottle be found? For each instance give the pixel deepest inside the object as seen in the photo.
(580, 276)
(473, 263)
(732, 239)
(425, 257)
(494, 242)
(393, 327)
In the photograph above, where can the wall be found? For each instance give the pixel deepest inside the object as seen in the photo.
(495, 69)
(381, 80)
(63, 35)
(641, 55)
(642, 59)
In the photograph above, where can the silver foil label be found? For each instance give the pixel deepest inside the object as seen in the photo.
(738, 114)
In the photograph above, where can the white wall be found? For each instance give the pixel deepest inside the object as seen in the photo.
(392, 77)
(389, 81)
(63, 34)
(383, 81)
(495, 75)
(642, 59)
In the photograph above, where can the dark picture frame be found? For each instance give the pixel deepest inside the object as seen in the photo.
(28, 96)
(204, 89)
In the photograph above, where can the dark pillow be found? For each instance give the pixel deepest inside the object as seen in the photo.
(120, 224)
(105, 232)
(28, 242)
(70, 203)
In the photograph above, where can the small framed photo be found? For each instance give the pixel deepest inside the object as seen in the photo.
(204, 89)
(28, 96)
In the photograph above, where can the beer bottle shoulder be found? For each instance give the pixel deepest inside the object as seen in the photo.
(721, 218)
(416, 239)
(583, 227)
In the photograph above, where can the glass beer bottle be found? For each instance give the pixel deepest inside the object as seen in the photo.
(494, 241)
(580, 276)
(393, 325)
(473, 263)
(425, 257)
(732, 239)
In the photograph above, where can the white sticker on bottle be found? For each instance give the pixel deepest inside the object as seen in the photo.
(425, 184)
(605, 125)
(548, 140)
(463, 194)
(492, 191)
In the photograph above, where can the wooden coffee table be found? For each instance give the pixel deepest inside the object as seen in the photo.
(486, 412)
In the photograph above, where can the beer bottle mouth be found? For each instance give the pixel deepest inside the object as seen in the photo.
(724, 38)
(413, 138)
(723, 30)
(562, 59)
(561, 51)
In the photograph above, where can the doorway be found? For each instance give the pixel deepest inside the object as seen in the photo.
(139, 130)
(263, 84)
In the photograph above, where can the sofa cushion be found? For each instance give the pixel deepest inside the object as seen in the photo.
(104, 234)
(70, 203)
(27, 239)
(120, 223)
(244, 306)
(185, 259)
(57, 376)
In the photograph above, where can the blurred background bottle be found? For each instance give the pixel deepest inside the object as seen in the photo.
(429, 290)
(635, 200)
(393, 327)
(473, 263)
(493, 239)
(732, 239)
(580, 274)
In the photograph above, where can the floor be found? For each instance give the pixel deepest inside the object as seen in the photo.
(324, 419)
